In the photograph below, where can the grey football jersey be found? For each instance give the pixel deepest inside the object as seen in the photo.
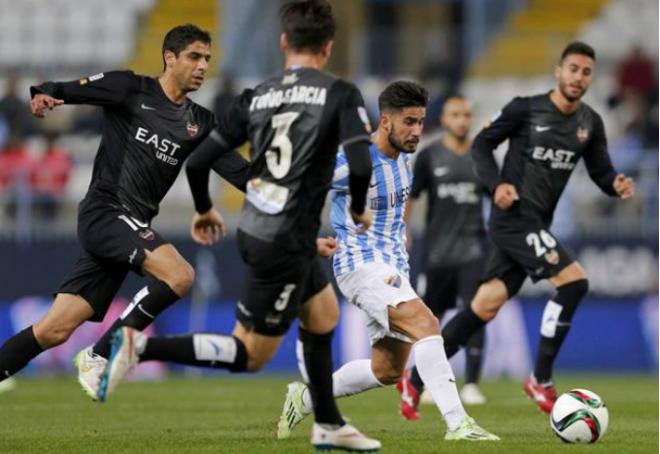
(454, 222)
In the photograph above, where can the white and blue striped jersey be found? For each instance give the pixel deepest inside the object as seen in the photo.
(385, 241)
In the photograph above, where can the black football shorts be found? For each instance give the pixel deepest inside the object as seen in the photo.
(519, 251)
(277, 283)
(114, 243)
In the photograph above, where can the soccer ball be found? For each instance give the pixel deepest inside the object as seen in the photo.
(579, 416)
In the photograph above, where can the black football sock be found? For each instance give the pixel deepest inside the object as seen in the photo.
(459, 330)
(555, 325)
(145, 307)
(317, 351)
(17, 352)
(473, 356)
(201, 350)
(416, 380)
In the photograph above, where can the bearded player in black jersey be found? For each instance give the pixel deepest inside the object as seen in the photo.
(294, 123)
(547, 134)
(150, 128)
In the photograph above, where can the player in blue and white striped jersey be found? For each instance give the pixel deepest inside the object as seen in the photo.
(385, 241)
(371, 269)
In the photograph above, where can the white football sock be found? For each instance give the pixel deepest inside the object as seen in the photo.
(439, 380)
(351, 378)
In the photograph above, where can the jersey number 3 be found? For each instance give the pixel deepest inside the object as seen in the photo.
(280, 150)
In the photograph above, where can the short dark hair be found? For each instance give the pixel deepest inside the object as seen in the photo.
(308, 24)
(402, 94)
(580, 48)
(181, 37)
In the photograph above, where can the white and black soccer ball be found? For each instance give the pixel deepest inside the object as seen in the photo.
(579, 416)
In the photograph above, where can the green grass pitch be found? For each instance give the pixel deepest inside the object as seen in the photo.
(232, 414)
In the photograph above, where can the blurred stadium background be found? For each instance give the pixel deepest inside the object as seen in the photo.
(488, 50)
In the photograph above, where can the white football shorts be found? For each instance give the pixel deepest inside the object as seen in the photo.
(374, 287)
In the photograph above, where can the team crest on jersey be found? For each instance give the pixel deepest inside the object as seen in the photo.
(394, 281)
(147, 234)
(582, 134)
(192, 129)
(552, 257)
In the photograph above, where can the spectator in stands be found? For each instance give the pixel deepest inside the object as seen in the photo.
(16, 166)
(637, 93)
(636, 75)
(15, 110)
(49, 179)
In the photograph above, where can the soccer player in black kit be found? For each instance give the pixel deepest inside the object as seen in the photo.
(455, 237)
(295, 123)
(150, 128)
(548, 134)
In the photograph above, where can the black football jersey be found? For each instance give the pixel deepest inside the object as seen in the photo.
(455, 228)
(295, 123)
(146, 137)
(545, 145)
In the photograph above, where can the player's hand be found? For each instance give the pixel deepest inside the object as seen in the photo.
(505, 195)
(207, 228)
(40, 103)
(326, 247)
(362, 221)
(624, 186)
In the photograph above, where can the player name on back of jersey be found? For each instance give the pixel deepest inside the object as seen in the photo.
(299, 94)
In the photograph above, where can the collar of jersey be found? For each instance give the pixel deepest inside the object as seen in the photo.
(382, 155)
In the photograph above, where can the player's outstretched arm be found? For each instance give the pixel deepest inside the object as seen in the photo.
(102, 89)
(42, 103)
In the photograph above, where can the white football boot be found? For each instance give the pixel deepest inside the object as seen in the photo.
(90, 369)
(293, 410)
(123, 357)
(346, 438)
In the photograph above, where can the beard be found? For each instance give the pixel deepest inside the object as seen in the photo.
(563, 88)
(398, 146)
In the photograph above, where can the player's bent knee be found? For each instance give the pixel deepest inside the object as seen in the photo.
(386, 375)
(181, 279)
(52, 336)
(426, 324)
(256, 364)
